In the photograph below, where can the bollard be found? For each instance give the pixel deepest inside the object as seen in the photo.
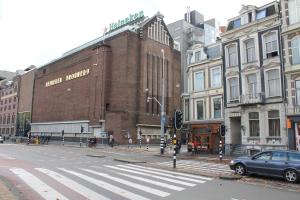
(220, 150)
(174, 155)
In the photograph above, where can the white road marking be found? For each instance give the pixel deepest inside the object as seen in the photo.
(131, 184)
(177, 173)
(169, 186)
(153, 176)
(107, 186)
(163, 174)
(84, 191)
(37, 185)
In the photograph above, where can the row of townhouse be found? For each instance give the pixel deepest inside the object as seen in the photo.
(248, 80)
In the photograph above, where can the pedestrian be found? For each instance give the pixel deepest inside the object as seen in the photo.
(129, 143)
(112, 142)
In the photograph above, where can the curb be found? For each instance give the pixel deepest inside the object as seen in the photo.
(233, 177)
(129, 161)
(97, 156)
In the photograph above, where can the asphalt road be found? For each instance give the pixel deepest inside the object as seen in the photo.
(57, 172)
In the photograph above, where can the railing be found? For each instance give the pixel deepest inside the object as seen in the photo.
(251, 98)
(293, 110)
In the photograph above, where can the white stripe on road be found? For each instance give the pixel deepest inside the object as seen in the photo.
(204, 167)
(177, 173)
(162, 174)
(84, 191)
(37, 185)
(153, 176)
(169, 186)
(131, 184)
(107, 186)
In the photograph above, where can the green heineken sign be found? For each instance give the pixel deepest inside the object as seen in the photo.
(131, 19)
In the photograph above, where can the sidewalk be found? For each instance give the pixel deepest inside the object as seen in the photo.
(6, 192)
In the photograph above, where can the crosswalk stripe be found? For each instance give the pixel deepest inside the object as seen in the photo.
(84, 191)
(177, 173)
(153, 176)
(107, 186)
(169, 186)
(47, 192)
(163, 174)
(131, 184)
(200, 167)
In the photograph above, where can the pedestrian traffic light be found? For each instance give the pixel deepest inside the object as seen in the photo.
(223, 130)
(178, 119)
(82, 129)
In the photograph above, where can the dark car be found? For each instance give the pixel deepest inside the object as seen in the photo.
(285, 164)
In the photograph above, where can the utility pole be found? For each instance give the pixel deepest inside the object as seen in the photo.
(81, 131)
(63, 137)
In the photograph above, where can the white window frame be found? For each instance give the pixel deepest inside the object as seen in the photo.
(195, 80)
(228, 60)
(197, 52)
(264, 36)
(229, 89)
(211, 77)
(297, 100)
(196, 109)
(212, 107)
(295, 49)
(294, 11)
(274, 118)
(186, 116)
(246, 51)
(267, 83)
(256, 120)
(248, 86)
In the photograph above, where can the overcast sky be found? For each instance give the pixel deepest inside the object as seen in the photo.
(34, 32)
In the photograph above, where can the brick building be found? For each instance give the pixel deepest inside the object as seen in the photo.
(103, 85)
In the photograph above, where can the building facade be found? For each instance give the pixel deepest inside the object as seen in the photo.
(203, 106)
(8, 106)
(291, 57)
(253, 81)
(25, 101)
(103, 86)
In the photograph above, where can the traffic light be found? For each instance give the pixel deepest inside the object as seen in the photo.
(223, 130)
(178, 119)
(82, 129)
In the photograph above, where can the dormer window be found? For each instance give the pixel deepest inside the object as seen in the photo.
(197, 56)
(265, 12)
(234, 24)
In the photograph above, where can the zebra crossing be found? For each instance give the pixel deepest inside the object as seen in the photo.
(126, 181)
(198, 166)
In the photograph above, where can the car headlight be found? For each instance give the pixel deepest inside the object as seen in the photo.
(231, 162)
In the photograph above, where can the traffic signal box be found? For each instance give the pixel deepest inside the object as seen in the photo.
(178, 121)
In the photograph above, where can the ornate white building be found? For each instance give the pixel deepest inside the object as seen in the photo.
(253, 81)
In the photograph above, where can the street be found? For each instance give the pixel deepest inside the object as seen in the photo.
(60, 172)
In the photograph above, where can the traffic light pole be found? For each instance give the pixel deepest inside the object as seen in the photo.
(174, 154)
(162, 114)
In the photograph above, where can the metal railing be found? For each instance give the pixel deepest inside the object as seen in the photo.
(251, 98)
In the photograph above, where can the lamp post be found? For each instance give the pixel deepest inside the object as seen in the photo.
(162, 105)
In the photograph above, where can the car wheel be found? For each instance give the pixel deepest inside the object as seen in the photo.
(240, 169)
(291, 176)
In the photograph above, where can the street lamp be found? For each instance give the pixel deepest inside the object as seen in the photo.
(162, 105)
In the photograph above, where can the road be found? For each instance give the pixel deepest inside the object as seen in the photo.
(54, 172)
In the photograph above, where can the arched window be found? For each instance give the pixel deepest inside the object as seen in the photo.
(296, 50)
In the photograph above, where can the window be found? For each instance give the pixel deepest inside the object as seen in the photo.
(217, 108)
(215, 79)
(4, 120)
(0, 119)
(263, 156)
(234, 24)
(232, 56)
(254, 124)
(200, 109)
(294, 11)
(197, 56)
(199, 81)
(250, 51)
(270, 47)
(233, 89)
(279, 156)
(273, 82)
(294, 157)
(249, 17)
(297, 87)
(186, 109)
(296, 50)
(251, 79)
(265, 12)
(8, 119)
(214, 52)
(9, 100)
(13, 119)
(274, 123)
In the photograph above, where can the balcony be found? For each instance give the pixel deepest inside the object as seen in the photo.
(293, 110)
(251, 98)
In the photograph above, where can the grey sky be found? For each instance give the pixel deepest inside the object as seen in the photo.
(38, 31)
